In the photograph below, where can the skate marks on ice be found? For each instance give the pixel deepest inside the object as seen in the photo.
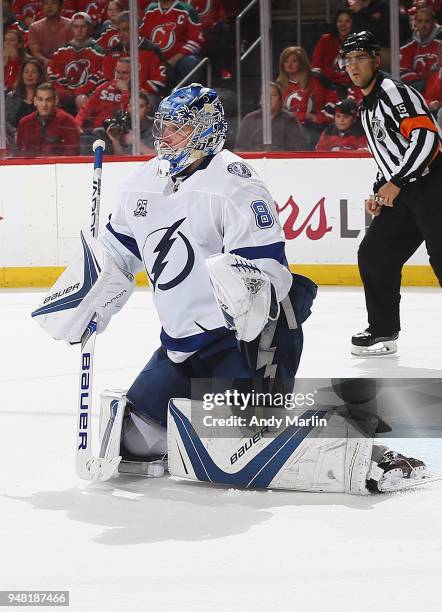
(141, 511)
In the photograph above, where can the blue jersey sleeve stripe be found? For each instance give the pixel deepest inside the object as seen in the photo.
(127, 241)
(267, 251)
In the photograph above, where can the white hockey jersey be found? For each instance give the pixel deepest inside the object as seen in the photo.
(170, 228)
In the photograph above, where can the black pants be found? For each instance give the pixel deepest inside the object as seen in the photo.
(392, 238)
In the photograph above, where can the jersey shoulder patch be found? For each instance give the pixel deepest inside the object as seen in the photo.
(239, 169)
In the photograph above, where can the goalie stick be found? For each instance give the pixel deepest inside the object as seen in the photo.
(89, 467)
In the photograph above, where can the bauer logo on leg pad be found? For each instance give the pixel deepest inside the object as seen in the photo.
(267, 456)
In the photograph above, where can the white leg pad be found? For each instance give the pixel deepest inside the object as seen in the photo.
(333, 458)
(112, 408)
(141, 437)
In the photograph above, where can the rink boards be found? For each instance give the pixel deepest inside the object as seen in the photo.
(319, 198)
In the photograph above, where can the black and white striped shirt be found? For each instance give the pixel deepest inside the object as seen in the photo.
(402, 134)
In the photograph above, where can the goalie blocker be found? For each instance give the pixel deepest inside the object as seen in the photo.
(91, 285)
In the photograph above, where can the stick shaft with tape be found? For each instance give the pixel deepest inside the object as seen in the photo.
(87, 465)
(98, 148)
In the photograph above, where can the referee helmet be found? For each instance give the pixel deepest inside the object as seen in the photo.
(361, 41)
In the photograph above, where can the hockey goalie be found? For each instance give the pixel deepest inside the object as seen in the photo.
(203, 225)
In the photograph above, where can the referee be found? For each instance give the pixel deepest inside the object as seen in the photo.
(407, 203)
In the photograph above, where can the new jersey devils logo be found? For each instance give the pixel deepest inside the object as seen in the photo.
(164, 36)
(422, 61)
(30, 9)
(77, 72)
(113, 40)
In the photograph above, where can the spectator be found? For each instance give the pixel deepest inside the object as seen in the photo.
(420, 54)
(9, 16)
(28, 11)
(10, 21)
(303, 93)
(287, 133)
(13, 56)
(433, 89)
(49, 33)
(76, 68)
(109, 33)
(176, 28)
(346, 133)
(20, 102)
(326, 52)
(107, 100)
(96, 9)
(436, 5)
(48, 131)
(374, 15)
(118, 134)
(152, 72)
(218, 43)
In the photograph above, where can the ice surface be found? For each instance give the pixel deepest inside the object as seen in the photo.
(164, 545)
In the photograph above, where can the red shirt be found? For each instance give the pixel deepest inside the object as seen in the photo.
(210, 12)
(10, 71)
(57, 135)
(109, 38)
(301, 101)
(417, 60)
(28, 8)
(333, 139)
(17, 25)
(175, 30)
(103, 104)
(433, 90)
(325, 57)
(152, 72)
(96, 9)
(76, 71)
(49, 35)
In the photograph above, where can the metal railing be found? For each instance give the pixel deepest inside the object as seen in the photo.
(265, 15)
(2, 89)
(134, 76)
(394, 39)
(241, 57)
(200, 64)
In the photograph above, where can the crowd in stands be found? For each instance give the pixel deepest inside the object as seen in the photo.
(68, 79)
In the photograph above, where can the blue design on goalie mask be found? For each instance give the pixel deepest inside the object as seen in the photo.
(189, 124)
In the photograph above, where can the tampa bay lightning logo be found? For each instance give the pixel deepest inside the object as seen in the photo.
(162, 250)
(239, 169)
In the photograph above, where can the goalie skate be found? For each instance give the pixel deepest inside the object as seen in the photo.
(367, 344)
(395, 472)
